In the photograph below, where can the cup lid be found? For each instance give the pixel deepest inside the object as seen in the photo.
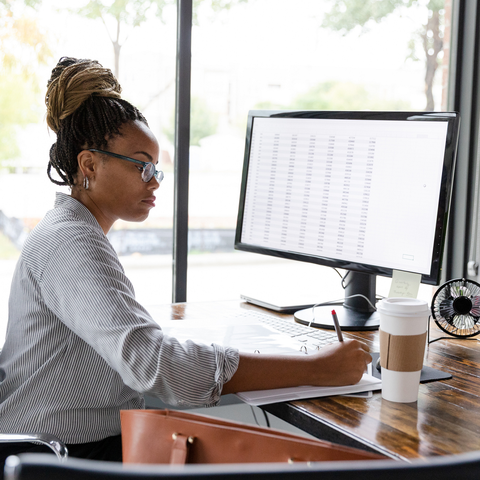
(404, 307)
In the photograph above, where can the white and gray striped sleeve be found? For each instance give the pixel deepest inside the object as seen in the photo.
(85, 287)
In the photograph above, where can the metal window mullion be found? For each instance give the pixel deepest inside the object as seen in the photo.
(182, 146)
(464, 96)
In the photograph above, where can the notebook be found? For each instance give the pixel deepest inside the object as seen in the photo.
(258, 332)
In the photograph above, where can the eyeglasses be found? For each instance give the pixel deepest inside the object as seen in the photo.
(148, 170)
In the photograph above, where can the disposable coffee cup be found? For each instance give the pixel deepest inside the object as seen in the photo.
(403, 335)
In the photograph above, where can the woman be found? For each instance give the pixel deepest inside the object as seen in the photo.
(79, 348)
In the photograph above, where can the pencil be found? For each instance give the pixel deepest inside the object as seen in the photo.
(337, 326)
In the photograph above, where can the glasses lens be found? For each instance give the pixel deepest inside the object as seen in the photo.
(148, 172)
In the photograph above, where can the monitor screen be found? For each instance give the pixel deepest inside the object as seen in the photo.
(363, 191)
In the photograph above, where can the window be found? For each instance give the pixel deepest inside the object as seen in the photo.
(255, 54)
(264, 54)
(32, 41)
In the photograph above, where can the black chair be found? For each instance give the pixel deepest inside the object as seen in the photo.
(51, 441)
(41, 466)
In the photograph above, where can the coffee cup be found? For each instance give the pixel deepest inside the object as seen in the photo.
(403, 335)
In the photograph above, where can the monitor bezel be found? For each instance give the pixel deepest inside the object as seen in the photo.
(453, 121)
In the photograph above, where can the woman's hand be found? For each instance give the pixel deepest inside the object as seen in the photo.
(342, 363)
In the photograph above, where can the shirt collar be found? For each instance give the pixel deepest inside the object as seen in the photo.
(63, 200)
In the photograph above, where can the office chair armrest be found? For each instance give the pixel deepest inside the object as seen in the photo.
(51, 441)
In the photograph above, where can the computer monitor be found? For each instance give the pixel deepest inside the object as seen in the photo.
(368, 192)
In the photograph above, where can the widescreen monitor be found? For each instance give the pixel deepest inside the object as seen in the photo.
(367, 192)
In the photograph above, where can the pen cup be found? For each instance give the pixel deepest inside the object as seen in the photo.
(403, 334)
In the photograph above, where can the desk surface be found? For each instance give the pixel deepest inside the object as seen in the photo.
(445, 420)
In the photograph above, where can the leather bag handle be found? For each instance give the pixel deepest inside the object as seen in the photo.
(180, 449)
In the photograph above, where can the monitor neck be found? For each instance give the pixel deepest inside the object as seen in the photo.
(356, 313)
(360, 283)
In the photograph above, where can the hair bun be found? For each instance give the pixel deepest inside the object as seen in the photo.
(72, 82)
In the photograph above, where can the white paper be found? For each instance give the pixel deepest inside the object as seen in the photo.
(264, 397)
(247, 336)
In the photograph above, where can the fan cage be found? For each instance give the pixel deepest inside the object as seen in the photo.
(459, 324)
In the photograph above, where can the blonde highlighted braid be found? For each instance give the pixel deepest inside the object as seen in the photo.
(85, 110)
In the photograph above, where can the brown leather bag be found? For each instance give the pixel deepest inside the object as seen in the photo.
(168, 436)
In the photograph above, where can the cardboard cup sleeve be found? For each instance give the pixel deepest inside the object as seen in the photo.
(402, 353)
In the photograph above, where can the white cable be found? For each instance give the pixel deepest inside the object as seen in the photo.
(335, 302)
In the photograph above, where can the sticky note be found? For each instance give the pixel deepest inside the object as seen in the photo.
(404, 284)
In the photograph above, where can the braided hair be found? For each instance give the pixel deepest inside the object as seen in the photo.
(85, 110)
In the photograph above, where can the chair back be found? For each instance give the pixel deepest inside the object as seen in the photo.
(38, 466)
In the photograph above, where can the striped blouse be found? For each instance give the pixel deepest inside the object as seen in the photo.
(79, 347)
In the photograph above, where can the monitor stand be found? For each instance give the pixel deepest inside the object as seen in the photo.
(355, 314)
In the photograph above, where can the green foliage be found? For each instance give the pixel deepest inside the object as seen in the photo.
(7, 4)
(135, 12)
(129, 12)
(337, 96)
(203, 122)
(218, 5)
(23, 47)
(345, 15)
(436, 5)
(333, 96)
(18, 104)
(268, 105)
(7, 248)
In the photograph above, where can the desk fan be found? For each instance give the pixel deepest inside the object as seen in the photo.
(456, 308)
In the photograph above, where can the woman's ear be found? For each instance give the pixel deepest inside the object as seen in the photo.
(86, 164)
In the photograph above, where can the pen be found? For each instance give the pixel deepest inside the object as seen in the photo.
(337, 326)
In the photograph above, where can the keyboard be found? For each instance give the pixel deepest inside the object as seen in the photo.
(311, 337)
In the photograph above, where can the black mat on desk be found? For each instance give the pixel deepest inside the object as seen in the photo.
(428, 374)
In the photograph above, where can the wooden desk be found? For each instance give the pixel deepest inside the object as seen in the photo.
(445, 420)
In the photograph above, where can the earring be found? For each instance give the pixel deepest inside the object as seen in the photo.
(85, 183)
